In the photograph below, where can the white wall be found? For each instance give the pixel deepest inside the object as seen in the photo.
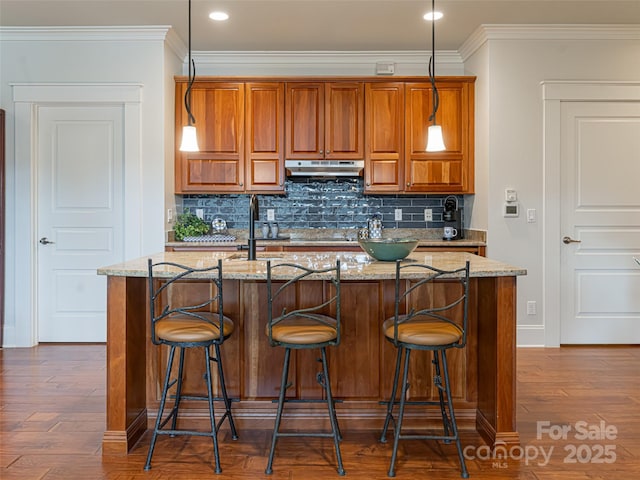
(509, 64)
(136, 55)
(476, 209)
(513, 156)
(173, 65)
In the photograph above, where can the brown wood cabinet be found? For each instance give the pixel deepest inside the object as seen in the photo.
(396, 159)
(219, 112)
(240, 130)
(325, 120)
(384, 138)
(480, 250)
(246, 128)
(264, 135)
(450, 171)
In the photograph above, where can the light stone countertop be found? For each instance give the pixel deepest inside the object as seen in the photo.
(354, 265)
(430, 237)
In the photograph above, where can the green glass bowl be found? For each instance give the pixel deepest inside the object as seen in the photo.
(388, 249)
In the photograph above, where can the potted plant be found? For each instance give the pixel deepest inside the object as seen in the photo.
(189, 225)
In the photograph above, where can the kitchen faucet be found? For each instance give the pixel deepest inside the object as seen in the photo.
(254, 214)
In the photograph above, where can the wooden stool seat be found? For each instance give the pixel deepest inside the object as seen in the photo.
(188, 329)
(180, 325)
(437, 324)
(423, 331)
(302, 326)
(300, 330)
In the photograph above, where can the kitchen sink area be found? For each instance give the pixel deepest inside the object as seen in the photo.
(260, 256)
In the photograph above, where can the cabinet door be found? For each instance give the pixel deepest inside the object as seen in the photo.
(344, 120)
(450, 171)
(305, 121)
(384, 137)
(264, 135)
(218, 109)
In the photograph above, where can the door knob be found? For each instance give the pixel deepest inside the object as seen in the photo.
(568, 240)
(45, 241)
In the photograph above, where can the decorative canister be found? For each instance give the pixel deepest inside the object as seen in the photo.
(375, 228)
(363, 233)
(274, 230)
(265, 230)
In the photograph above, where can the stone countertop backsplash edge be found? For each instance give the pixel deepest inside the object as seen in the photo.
(302, 236)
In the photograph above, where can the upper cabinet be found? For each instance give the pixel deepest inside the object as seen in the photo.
(218, 109)
(450, 171)
(264, 135)
(247, 128)
(384, 139)
(240, 129)
(325, 120)
(397, 121)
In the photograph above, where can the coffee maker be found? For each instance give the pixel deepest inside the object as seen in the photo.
(452, 217)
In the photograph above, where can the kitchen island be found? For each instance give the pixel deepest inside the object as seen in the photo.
(482, 374)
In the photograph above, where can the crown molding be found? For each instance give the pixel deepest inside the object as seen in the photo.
(175, 44)
(321, 57)
(115, 33)
(324, 62)
(488, 32)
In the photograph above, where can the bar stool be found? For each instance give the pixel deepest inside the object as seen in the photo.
(179, 326)
(431, 329)
(303, 327)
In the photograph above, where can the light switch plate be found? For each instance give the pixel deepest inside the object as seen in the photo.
(532, 216)
(271, 214)
(398, 213)
(510, 195)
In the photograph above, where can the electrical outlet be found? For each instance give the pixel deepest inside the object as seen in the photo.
(428, 215)
(271, 215)
(169, 215)
(200, 213)
(398, 214)
(531, 307)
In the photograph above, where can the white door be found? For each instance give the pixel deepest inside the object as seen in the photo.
(80, 213)
(600, 210)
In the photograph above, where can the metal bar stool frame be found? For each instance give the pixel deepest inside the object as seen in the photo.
(312, 314)
(438, 314)
(215, 321)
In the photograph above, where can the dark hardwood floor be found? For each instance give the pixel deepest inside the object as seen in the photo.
(52, 416)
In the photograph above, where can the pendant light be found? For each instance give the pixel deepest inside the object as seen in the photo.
(435, 142)
(189, 137)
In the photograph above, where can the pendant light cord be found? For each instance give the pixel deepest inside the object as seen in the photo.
(192, 64)
(432, 65)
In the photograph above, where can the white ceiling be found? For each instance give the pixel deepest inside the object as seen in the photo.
(330, 25)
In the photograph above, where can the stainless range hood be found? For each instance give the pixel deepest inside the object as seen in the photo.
(324, 168)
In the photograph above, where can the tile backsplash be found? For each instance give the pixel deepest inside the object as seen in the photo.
(330, 203)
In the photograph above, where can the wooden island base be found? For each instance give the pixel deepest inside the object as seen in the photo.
(482, 374)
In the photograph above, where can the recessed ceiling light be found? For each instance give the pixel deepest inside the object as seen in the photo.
(219, 16)
(433, 16)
